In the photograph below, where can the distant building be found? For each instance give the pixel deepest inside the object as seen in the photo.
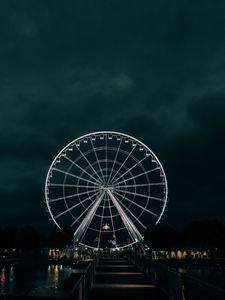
(181, 254)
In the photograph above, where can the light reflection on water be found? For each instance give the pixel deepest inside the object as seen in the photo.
(33, 280)
(3, 278)
(6, 280)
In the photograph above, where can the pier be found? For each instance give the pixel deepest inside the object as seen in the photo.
(135, 276)
(120, 279)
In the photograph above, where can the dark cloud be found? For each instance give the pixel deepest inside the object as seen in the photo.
(153, 70)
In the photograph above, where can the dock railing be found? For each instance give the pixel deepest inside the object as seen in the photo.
(84, 284)
(177, 285)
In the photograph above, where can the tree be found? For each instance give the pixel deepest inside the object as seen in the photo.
(10, 237)
(60, 238)
(29, 239)
(207, 233)
(163, 237)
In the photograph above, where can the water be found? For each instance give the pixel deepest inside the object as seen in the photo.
(212, 276)
(34, 280)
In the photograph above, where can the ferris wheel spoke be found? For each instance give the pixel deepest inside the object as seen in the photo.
(72, 207)
(140, 185)
(142, 207)
(97, 159)
(139, 195)
(82, 169)
(84, 156)
(129, 154)
(72, 175)
(126, 208)
(72, 185)
(71, 196)
(114, 161)
(106, 159)
(136, 176)
(138, 163)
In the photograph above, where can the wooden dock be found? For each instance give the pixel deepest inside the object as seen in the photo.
(119, 279)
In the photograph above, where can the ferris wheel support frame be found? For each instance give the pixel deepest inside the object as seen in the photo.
(131, 228)
(87, 219)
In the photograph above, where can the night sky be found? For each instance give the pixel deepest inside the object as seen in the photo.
(151, 69)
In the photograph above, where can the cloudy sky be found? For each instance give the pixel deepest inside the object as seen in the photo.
(152, 69)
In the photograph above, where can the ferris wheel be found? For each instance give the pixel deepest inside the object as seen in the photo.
(109, 187)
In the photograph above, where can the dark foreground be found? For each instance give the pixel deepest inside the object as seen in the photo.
(133, 276)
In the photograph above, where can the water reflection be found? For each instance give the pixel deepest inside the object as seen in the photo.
(3, 280)
(213, 276)
(33, 280)
(53, 275)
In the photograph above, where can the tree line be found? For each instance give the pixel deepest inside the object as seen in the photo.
(29, 240)
(198, 234)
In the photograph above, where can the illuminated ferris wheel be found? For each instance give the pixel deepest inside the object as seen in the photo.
(109, 187)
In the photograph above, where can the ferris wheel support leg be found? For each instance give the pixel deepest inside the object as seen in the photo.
(132, 229)
(87, 220)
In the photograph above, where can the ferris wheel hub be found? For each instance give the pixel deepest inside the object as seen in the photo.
(107, 187)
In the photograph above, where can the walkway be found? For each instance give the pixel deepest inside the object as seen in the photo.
(117, 279)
